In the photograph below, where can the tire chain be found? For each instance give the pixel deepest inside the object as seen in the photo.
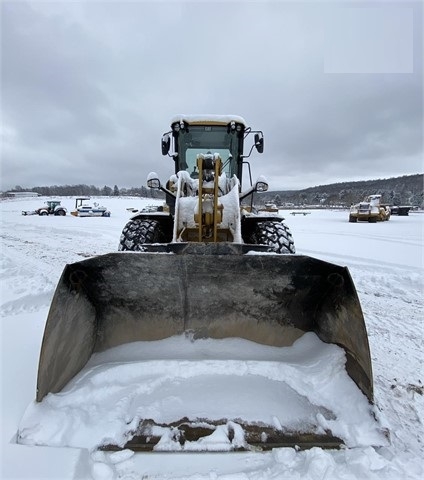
(275, 234)
(141, 231)
(138, 232)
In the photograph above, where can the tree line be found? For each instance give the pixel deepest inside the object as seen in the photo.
(405, 190)
(82, 190)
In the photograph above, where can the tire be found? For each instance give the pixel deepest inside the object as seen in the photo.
(60, 213)
(138, 232)
(276, 235)
(43, 214)
(352, 219)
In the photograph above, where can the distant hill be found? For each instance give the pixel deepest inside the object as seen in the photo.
(406, 190)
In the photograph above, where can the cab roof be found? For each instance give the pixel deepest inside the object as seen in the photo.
(208, 119)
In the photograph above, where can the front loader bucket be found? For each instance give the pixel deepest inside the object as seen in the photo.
(126, 297)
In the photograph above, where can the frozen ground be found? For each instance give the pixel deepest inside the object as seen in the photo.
(386, 263)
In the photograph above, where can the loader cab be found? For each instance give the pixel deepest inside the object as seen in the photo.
(208, 135)
(192, 140)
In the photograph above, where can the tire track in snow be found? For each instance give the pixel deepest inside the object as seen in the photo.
(35, 254)
(33, 266)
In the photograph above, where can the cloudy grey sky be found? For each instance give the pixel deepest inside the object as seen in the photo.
(88, 87)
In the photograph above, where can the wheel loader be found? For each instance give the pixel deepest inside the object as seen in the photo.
(207, 265)
(370, 210)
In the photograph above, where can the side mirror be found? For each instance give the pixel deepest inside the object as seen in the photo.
(153, 181)
(261, 184)
(166, 144)
(259, 142)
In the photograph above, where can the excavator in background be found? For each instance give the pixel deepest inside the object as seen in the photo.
(205, 263)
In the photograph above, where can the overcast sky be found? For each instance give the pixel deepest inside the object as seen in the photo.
(88, 88)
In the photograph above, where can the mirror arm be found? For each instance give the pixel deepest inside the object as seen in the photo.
(168, 192)
(248, 192)
(250, 152)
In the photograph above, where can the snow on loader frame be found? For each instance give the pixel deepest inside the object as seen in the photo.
(185, 268)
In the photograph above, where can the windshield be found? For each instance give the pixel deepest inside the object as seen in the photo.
(207, 139)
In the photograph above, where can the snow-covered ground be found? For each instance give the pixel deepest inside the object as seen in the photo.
(386, 263)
